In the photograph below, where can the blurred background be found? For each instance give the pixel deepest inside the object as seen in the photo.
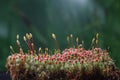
(82, 18)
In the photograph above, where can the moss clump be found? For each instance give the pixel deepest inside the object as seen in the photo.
(70, 64)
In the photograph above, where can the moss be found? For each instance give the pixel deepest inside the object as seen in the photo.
(70, 64)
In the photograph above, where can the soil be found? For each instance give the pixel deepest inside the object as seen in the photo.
(114, 76)
(5, 76)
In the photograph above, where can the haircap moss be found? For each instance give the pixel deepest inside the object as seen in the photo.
(74, 63)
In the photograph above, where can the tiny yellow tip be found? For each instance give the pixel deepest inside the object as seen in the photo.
(24, 38)
(97, 35)
(93, 40)
(17, 36)
(40, 49)
(82, 42)
(71, 35)
(30, 35)
(46, 49)
(68, 38)
(53, 35)
(96, 41)
(77, 39)
(11, 47)
(21, 50)
(18, 42)
(27, 36)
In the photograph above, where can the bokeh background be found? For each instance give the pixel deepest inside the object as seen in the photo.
(82, 18)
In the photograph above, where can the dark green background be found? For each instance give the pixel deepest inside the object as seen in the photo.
(82, 18)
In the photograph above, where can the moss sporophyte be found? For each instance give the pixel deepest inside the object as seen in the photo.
(74, 63)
